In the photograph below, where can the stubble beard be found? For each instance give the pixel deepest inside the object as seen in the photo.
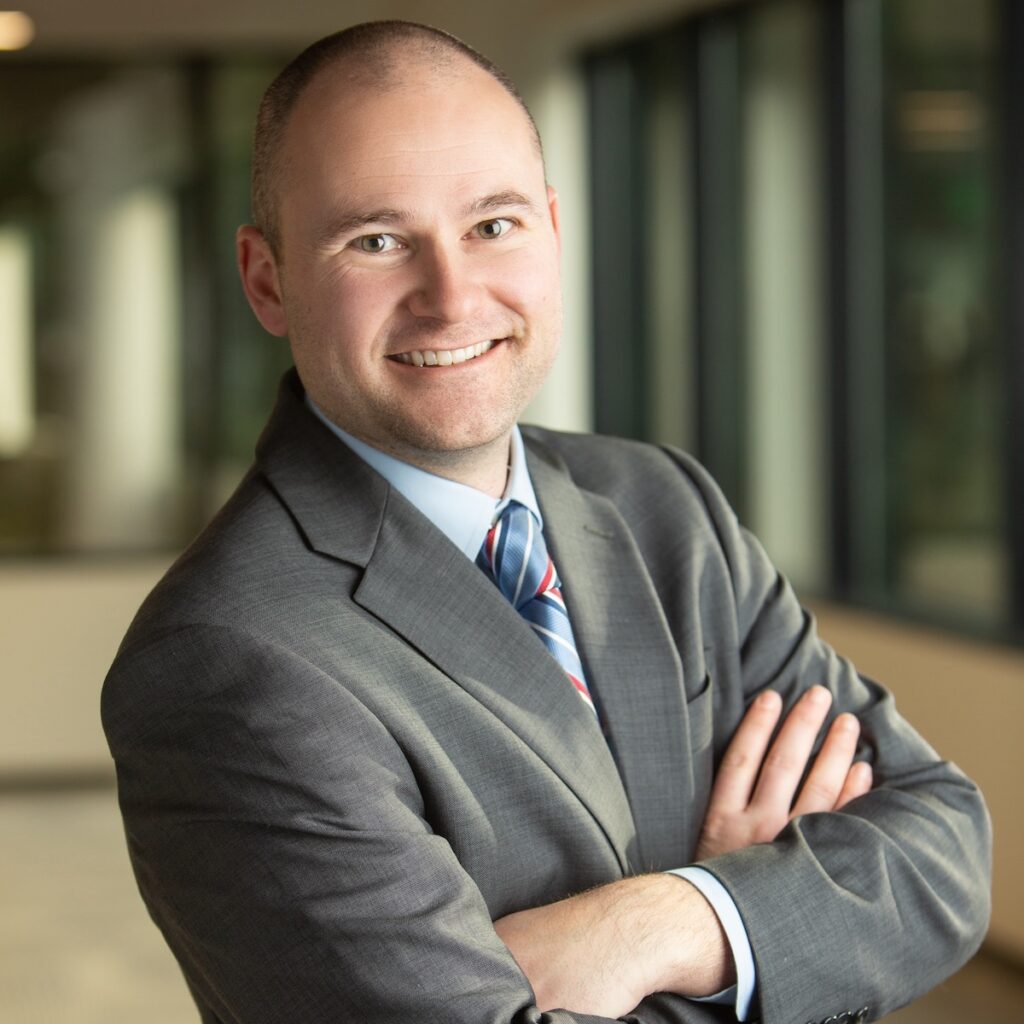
(471, 435)
(465, 441)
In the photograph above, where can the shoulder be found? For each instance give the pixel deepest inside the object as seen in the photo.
(231, 620)
(251, 572)
(634, 475)
(682, 524)
(228, 559)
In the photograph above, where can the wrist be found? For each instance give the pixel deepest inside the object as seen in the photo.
(688, 952)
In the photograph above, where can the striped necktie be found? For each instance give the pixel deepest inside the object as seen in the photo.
(515, 557)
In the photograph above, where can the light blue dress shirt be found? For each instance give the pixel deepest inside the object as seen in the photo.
(464, 515)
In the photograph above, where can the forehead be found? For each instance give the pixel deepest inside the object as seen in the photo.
(427, 130)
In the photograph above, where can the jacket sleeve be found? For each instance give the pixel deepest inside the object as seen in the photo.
(858, 911)
(281, 844)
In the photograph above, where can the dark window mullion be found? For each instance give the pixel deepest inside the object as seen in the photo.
(866, 391)
(837, 320)
(1012, 87)
(721, 424)
(617, 154)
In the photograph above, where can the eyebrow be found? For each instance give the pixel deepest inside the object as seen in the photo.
(502, 201)
(345, 223)
(348, 221)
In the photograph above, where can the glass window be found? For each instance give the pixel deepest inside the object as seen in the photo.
(132, 380)
(799, 226)
(945, 454)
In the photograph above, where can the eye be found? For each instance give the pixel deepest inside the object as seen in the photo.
(495, 228)
(376, 243)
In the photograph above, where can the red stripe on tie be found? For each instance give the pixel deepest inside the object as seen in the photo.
(492, 537)
(549, 575)
(581, 688)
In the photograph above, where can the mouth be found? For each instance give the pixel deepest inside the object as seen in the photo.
(445, 357)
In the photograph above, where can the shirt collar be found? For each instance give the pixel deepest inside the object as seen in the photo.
(462, 513)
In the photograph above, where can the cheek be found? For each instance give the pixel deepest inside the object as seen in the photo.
(349, 311)
(530, 283)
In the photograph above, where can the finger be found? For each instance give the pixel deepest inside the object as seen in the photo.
(787, 759)
(742, 760)
(831, 768)
(859, 780)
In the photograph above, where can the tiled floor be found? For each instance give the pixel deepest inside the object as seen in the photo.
(76, 946)
(984, 992)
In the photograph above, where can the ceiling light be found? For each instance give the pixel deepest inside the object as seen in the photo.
(17, 30)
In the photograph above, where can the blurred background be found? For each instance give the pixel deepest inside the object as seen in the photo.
(794, 244)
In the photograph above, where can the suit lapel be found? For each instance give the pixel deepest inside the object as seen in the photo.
(629, 656)
(426, 590)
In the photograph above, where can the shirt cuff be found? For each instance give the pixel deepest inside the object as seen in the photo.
(722, 903)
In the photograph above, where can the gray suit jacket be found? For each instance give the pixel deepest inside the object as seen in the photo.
(341, 754)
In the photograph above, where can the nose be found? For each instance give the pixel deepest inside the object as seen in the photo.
(444, 288)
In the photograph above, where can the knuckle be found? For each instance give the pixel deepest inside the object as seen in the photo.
(809, 712)
(714, 825)
(735, 759)
(818, 792)
(768, 828)
(783, 761)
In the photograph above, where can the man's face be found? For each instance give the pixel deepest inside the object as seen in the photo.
(418, 275)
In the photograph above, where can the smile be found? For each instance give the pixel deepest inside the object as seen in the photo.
(444, 357)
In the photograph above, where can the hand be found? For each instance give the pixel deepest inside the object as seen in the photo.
(753, 795)
(603, 951)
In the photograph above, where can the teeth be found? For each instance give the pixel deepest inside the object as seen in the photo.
(445, 357)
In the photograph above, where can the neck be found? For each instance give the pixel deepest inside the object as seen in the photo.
(484, 468)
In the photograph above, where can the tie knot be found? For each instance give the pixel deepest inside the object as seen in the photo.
(516, 556)
(518, 517)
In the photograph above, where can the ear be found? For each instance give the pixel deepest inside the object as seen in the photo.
(553, 211)
(260, 279)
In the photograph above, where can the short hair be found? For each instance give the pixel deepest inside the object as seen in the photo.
(376, 41)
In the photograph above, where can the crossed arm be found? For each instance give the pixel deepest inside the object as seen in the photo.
(275, 851)
(605, 950)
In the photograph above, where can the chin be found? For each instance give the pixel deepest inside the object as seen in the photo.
(450, 446)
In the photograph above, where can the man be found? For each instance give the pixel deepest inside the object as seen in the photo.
(363, 782)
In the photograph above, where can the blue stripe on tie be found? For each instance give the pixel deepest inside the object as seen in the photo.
(520, 565)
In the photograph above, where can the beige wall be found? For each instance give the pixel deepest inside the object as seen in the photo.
(968, 700)
(60, 624)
